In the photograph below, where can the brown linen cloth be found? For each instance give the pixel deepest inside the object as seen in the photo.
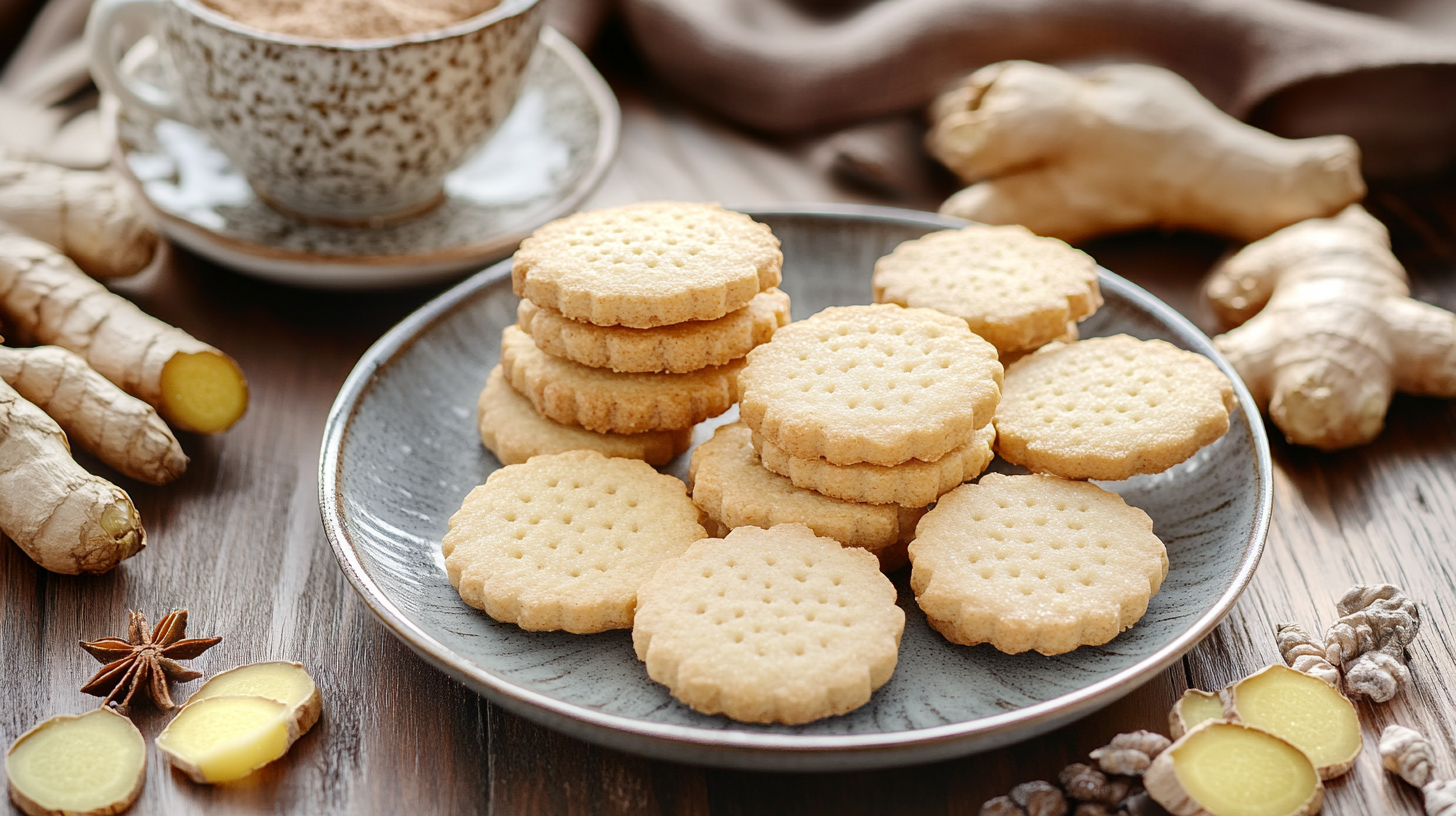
(1295, 67)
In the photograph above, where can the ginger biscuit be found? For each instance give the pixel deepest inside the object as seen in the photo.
(734, 489)
(769, 626)
(564, 541)
(1014, 288)
(606, 401)
(676, 349)
(1110, 408)
(1035, 563)
(511, 429)
(649, 264)
(913, 483)
(879, 384)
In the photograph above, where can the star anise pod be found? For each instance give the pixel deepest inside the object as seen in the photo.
(145, 661)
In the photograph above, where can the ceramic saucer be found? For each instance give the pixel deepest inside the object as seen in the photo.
(547, 156)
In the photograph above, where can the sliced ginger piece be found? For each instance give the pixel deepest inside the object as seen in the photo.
(1229, 769)
(93, 764)
(1193, 708)
(1305, 710)
(288, 683)
(203, 391)
(220, 739)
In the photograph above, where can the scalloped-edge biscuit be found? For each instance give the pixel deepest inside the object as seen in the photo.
(605, 401)
(1014, 288)
(734, 489)
(511, 429)
(912, 484)
(676, 349)
(1035, 563)
(769, 626)
(562, 542)
(879, 384)
(649, 264)
(1110, 408)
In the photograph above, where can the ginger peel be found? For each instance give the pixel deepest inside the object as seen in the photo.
(1192, 708)
(1126, 147)
(1230, 769)
(93, 764)
(1327, 330)
(1302, 709)
(45, 297)
(119, 429)
(67, 520)
(88, 216)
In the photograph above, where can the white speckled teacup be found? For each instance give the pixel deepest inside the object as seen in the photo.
(340, 131)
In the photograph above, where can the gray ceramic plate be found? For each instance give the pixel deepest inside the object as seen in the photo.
(400, 452)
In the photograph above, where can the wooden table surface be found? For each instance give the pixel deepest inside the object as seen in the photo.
(238, 541)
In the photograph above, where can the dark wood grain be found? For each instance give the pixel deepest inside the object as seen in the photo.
(238, 541)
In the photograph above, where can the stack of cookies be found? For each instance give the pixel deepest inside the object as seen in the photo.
(853, 422)
(633, 329)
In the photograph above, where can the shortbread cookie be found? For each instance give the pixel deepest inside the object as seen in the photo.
(1071, 335)
(766, 626)
(1035, 563)
(1110, 408)
(878, 384)
(650, 264)
(735, 490)
(1014, 288)
(605, 401)
(513, 431)
(563, 541)
(913, 483)
(676, 349)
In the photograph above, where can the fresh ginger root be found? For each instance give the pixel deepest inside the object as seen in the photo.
(119, 429)
(44, 296)
(1368, 641)
(1339, 333)
(1126, 147)
(1192, 708)
(241, 720)
(93, 764)
(64, 518)
(1302, 652)
(1407, 754)
(87, 215)
(1300, 708)
(1231, 769)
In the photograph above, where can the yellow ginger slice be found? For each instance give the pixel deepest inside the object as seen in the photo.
(44, 297)
(1229, 769)
(220, 739)
(1193, 708)
(1306, 711)
(93, 764)
(286, 682)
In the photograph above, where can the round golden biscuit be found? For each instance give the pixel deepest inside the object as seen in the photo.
(1110, 408)
(676, 349)
(649, 264)
(563, 541)
(511, 429)
(1034, 563)
(879, 384)
(1016, 289)
(607, 402)
(913, 483)
(769, 626)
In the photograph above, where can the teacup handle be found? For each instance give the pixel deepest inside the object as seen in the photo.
(111, 24)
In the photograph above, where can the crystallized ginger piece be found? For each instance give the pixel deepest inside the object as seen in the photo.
(1302, 709)
(1231, 769)
(220, 739)
(1191, 709)
(93, 764)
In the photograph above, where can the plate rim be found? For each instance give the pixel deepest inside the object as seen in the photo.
(924, 743)
(374, 271)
